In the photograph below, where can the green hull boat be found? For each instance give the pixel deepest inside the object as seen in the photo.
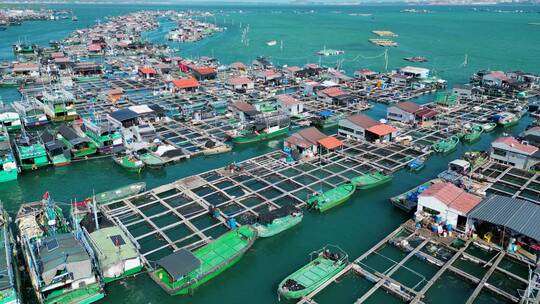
(331, 198)
(507, 119)
(474, 134)
(488, 127)
(8, 286)
(203, 264)
(446, 145)
(277, 221)
(129, 163)
(249, 137)
(119, 193)
(323, 266)
(8, 165)
(371, 180)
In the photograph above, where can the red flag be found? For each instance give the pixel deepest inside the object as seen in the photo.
(46, 195)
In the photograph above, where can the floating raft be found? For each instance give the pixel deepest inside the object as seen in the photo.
(383, 42)
(384, 33)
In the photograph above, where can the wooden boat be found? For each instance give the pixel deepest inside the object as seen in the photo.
(474, 134)
(119, 193)
(183, 271)
(371, 180)
(489, 126)
(446, 145)
(129, 162)
(32, 115)
(278, 220)
(331, 198)
(9, 291)
(324, 264)
(59, 105)
(80, 146)
(253, 135)
(58, 262)
(416, 164)
(31, 153)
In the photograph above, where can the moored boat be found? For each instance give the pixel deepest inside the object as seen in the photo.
(59, 105)
(324, 264)
(183, 271)
(58, 262)
(408, 200)
(331, 198)
(278, 220)
(30, 151)
(103, 133)
(129, 162)
(11, 121)
(80, 146)
(254, 134)
(32, 115)
(474, 133)
(116, 255)
(371, 180)
(446, 145)
(326, 119)
(489, 126)
(416, 164)
(57, 151)
(9, 291)
(119, 193)
(506, 119)
(8, 165)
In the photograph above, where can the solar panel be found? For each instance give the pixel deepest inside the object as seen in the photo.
(52, 244)
(117, 240)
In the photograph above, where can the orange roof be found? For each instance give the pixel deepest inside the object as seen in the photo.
(147, 70)
(330, 142)
(382, 129)
(185, 83)
(204, 70)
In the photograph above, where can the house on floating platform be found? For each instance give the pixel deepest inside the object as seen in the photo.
(203, 73)
(243, 110)
(268, 76)
(87, 68)
(312, 69)
(414, 72)
(335, 95)
(115, 94)
(290, 105)
(239, 67)
(240, 84)
(147, 72)
(310, 87)
(308, 143)
(410, 113)
(362, 127)
(532, 136)
(511, 151)
(366, 74)
(450, 203)
(124, 118)
(184, 85)
(510, 223)
(293, 71)
(25, 68)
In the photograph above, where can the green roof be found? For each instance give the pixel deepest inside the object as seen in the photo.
(112, 245)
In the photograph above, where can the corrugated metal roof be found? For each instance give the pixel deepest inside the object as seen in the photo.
(519, 215)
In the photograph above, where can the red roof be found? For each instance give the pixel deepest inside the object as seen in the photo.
(61, 60)
(185, 83)
(408, 106)
(287, 100)
(382, 130)
(238, 66)
(204, 71)
(115, 91)
(239, 81)
(57, 54)
(25, 67)
(330, 142)
(515, 144)
(363, 121)
(426, 113)
(452, 196)
(333, 92)
(147, 70)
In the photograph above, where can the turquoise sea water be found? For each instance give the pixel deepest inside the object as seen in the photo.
(491, 40)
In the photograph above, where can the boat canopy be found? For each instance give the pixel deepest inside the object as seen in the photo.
(70, 135)
(63, 252)
(326, 113)
(269, 216)
(179, 263)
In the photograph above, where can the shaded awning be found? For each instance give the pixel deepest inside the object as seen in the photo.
(330, 142)
(382, 130)
(517, 214)
(179, 263)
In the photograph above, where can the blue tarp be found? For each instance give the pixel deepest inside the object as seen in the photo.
(326, 113)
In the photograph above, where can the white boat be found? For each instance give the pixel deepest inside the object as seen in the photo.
(271, 43)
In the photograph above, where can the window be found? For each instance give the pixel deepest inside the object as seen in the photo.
(499, 152)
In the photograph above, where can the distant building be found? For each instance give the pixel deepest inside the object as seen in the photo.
(463, 91)
(414, 72)
(240, 84)
(243, 110)
(290, 105)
